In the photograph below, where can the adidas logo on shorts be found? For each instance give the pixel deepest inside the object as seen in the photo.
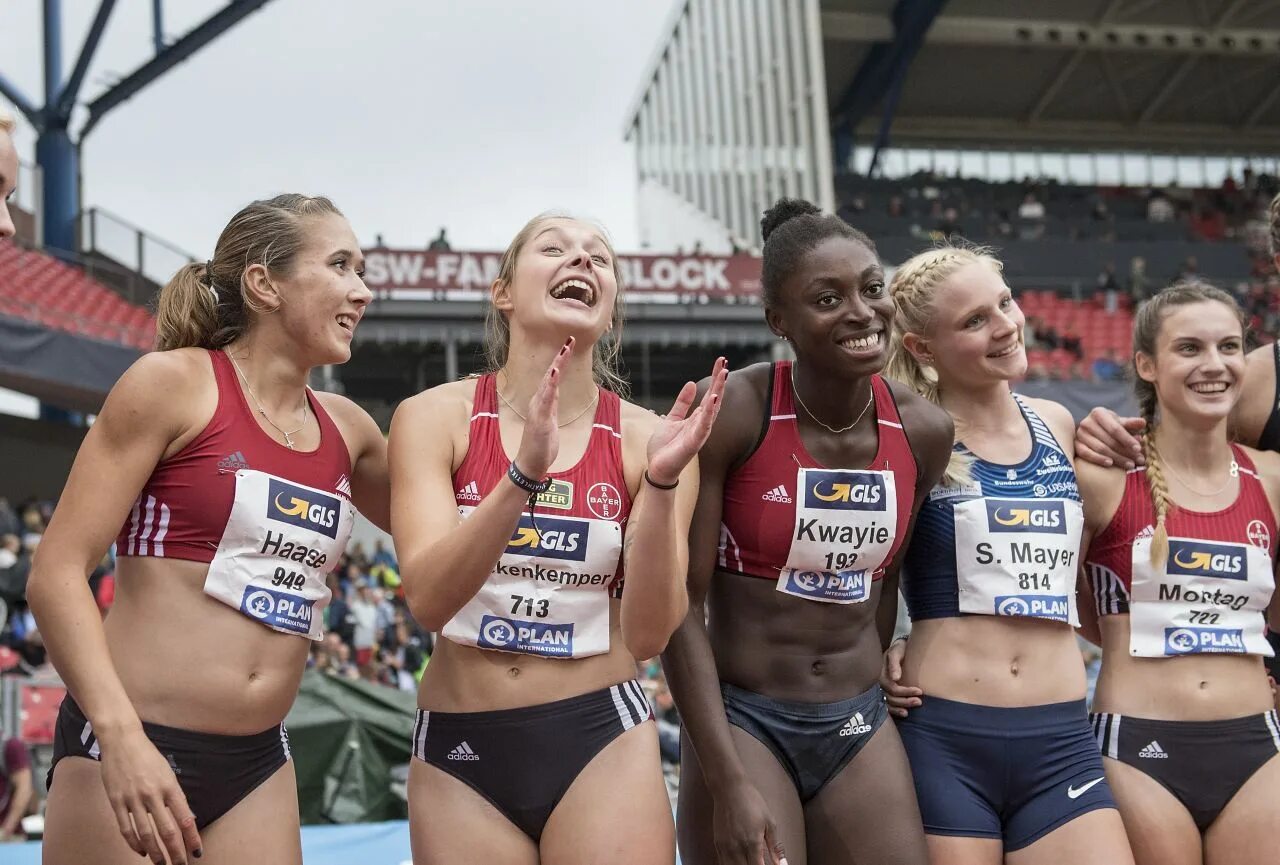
(463, 752)
(777, 494)
(232, 463)
(469, 493)
(855, 726)
(1154, 752)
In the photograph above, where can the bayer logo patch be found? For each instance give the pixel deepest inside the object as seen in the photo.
(1013, 607)
(499, 633)
(260, 604)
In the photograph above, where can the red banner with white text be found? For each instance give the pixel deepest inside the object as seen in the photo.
(419, 273)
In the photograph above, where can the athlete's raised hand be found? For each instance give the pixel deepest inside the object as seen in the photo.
(743, 829)
(151, 810)
(898, 696)
(540, 442)
(1106, 439)
(681, 433)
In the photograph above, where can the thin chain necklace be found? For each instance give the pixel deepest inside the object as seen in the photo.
(1232, 473)
(594, 399)
(288, 434)
(870, 398)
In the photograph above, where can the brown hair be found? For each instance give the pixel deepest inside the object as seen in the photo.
(205, 305)
(604, 357)
(1146, 329)
(914, 288)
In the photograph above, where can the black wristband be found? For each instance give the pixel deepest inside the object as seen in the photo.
(651, 482)
(526, 483)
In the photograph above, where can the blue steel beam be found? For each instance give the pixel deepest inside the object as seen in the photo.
(217, 24)
(883, 71)
(10, 91)
(67, 98)
(157, 24)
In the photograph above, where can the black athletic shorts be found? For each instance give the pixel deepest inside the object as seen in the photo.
(1202, 763)
(214, 771)
(812, 741)
(524, 760)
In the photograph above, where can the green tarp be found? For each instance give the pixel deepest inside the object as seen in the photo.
(346, 736)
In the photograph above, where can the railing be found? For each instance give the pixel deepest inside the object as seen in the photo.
(127, 258)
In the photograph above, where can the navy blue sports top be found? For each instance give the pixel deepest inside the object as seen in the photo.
(1005, 543)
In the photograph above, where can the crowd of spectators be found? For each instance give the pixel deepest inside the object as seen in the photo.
(942, 206)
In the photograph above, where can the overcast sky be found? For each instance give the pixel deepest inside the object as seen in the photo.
(410, 114)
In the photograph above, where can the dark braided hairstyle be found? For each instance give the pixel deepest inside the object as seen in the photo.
(790, 229)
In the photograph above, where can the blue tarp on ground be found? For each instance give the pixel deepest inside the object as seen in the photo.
(366, 843)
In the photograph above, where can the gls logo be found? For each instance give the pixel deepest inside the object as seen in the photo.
(1026, 515)
(299, 506)
(517, 635)
(1199, 559)
(554, 538)
(1185, 641)
(845, 491)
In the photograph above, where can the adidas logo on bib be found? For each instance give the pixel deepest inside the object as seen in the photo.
(343, 486)
(856, 726)
(469, 493)
(1154, 752)
(463, 752)
(777, 494)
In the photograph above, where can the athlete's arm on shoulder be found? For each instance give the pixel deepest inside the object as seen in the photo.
(1257, 399)
(931, 432)
(1059, 420)
(370, 481)
(139, 425)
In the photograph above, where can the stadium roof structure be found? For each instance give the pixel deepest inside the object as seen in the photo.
(1198, 76)
(746, 100)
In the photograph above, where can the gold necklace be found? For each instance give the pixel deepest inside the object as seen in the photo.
(593, 401)
(288, 434)
(870, 399)
(1232, 473)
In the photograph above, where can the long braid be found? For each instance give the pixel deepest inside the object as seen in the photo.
(1155, 475)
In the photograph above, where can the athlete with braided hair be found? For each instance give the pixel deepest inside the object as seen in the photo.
(990, 687)
(1181, 576)
(810, 481)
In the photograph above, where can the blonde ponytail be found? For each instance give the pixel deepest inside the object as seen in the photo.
(186, 315)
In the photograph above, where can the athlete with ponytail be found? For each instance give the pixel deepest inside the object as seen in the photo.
(810, 483)
(228, 488)
(990, 686)
(1181, 574)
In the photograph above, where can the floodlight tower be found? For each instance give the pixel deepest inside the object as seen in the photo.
(57, 153)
